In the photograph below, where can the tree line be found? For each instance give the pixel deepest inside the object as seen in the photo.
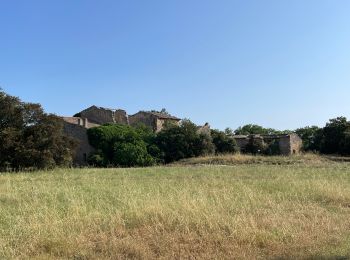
(123, 145)
(31, 138)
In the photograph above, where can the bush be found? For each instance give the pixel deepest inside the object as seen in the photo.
(312, 137)
(184, 141)
(256, 146)
(223, 143)
(120, 145)
(132, 154)
(273, 148)
(97, 160)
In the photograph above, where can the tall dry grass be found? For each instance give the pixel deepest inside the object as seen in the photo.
(237, 212)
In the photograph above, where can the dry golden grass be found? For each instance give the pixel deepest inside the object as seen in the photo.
(236, 159)
(225, 212)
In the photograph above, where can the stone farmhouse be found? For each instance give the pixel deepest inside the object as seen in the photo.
(288, 143)
(155, 120)
(94, 116)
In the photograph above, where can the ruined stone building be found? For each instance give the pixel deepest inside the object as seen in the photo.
(155, 120)
(94, 116)
(76, 127)
(101, 115)
(288, 143)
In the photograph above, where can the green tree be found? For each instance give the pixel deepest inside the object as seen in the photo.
(120, 145)
(223, 142)
(31, 138)
(183, 141)
(336, 136)
(256, 146)
(312, 137)
(251, 129)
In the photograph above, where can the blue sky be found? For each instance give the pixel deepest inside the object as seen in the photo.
(282, 64)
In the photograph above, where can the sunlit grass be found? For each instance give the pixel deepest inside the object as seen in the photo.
(240, 211)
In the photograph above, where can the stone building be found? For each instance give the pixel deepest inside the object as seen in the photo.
(155, 120)
(76, 127)
(94, 116)
(100, 115)
(288, 143)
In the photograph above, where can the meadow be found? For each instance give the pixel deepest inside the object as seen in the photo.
(231, 207)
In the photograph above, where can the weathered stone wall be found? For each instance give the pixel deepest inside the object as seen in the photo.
(288, 144)
(296, 144)
(120, 117)
(148, 119)
(284, 145)
(80, 121)
(84, 149)
(143, 118)
(102, 116)
(242, 142)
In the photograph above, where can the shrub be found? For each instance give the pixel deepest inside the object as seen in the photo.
(120, 145)
(132, 154)
(97, 159)
(256, 146)
(223, 143)
(184, 141)
(273, 148)
(311, 136)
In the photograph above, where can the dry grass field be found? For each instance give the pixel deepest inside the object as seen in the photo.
(253, 208)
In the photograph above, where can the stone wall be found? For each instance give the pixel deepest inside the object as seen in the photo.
(242, 141)
(296, 144)
(284, 145)
(151, 120)
(102, 116)
(79, 132)
(80, 121)
(288, 144)
(143, 118)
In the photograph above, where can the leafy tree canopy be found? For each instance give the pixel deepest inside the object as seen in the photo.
(30, 138)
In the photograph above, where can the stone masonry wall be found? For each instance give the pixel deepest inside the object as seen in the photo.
(296, 143)
(143, 118)
(150, 120)
(284, 144)
(84, 149)
(102, 116)
(288, 144)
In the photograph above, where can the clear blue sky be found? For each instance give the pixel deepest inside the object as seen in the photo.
(281, 64)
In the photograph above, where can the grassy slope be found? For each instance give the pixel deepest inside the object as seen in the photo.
(242, 211)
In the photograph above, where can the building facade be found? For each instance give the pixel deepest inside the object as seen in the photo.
(76, 127)
(155, 120)
(288, 143)
(101, 115)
